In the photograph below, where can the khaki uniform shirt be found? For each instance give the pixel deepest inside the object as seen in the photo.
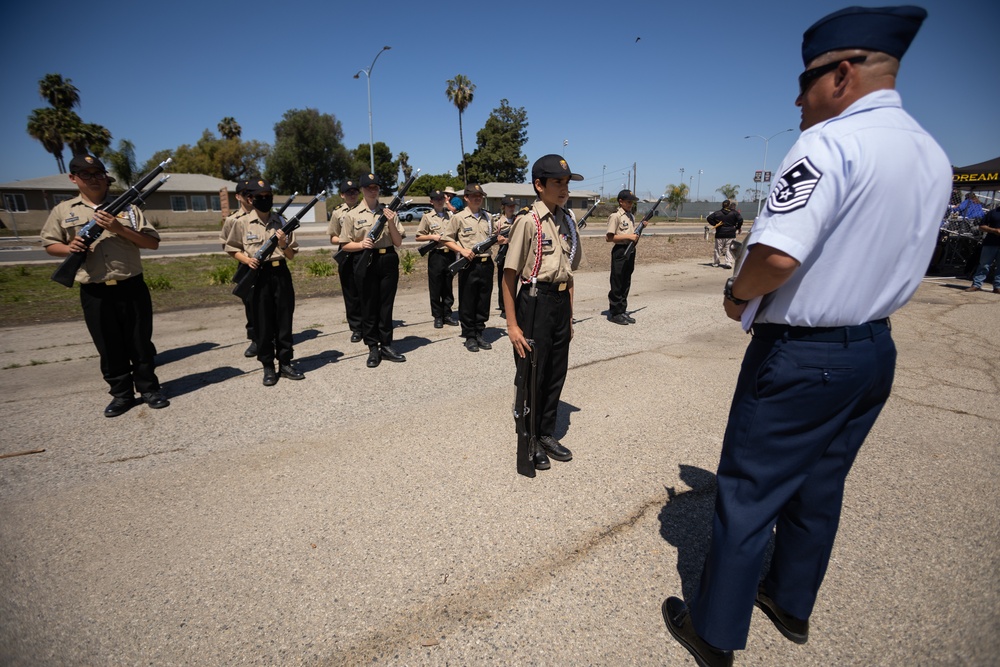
(559, 236)
(336, 218)
(466, 229)
(110, 257)
(434, 223)
(357, 222)
(227, 225)
(621, 222)
(249, 233)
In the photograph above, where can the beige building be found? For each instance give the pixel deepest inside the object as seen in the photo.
(185, 200)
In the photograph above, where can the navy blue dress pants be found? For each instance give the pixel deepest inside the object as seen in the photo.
(801, 410)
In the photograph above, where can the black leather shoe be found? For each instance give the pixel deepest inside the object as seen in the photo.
(542, 461)
(374, 358)
(119, 406)
(390, 354)
(793, 628)
(356, 337)
(503, 314)
(471, 345)
(617, 319)
(155, 400)
(451, 321)
(678, 620)
(555, 449)
(291, 372)
(438, 323)
(483, 343)
(628, 318)
(270, 377)
(251, 350)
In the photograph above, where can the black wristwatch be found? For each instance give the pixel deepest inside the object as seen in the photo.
(727, 291)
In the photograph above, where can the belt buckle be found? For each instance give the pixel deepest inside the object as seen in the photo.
(381, 251)
(276, 263)
(562, 287)
(111, 282)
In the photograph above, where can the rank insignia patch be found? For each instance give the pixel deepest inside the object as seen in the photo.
(794, 188)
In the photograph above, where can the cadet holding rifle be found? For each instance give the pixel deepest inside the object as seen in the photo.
(379, 279)
(116, 304)
(506, 220)
(543, 252)
(621, 232)
(348, 285)
(272, 297)
(466, 229)
(227, 225)
(439, 279)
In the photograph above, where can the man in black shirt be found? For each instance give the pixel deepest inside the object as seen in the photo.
(727, 223)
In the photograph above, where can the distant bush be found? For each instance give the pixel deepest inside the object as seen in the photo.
(222, 275)
(158, 283)
(320, 268)
(408, 262)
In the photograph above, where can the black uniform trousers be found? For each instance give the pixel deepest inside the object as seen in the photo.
(120, 321)
(378, 294)
(248, 311)
(621, 279)
(805, 400)
(440, 282)
(475, 293)
(352, 294)
(501, 258)
(547, 320)
(273, 306)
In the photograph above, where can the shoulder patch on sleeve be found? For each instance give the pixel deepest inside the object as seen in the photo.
(794, 187)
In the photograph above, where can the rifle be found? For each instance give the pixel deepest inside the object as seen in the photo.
(427, 247)
(478, 249)
(290, 199)
(365, 259)
(140, 201)
(245, 277)
(630, 248)
(524, 420)
(583, 220)
(90, 232)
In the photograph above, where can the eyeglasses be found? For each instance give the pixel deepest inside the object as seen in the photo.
(90, 175)
(811, 75)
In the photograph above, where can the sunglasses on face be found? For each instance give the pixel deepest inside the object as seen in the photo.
(811, 75)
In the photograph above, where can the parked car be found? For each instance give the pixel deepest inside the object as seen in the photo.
(414, 213)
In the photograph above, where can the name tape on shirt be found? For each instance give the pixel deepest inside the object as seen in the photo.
(794, 187)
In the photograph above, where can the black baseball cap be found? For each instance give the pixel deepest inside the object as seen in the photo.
(348, 184)
(436, 194)
(256, 185)
(370, 179)
(627, 196)
(508, 201)
(553, 166)
(81, 162)
(474, 189)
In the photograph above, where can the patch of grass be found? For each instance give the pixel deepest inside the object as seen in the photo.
(158, 283)
(9, 366)
(320, 268)
(222, 275)
(407, 262)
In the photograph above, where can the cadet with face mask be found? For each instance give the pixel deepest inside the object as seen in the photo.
(273, 297)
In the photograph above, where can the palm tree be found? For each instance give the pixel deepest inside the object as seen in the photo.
(59, 92)
(122, 162)
(404, 165)
(459, 93)
(45, 125)
(729, 191)
(84, 138)
(676, 196)
(229, 128)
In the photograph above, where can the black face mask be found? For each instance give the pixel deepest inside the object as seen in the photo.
(263, 202)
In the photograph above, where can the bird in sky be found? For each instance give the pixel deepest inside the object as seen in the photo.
(637, 39)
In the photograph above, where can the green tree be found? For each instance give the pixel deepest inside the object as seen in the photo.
(460, 92)
(229, 159)
(404, 165)
(676, 196)
(59, 92)
(729, 191)
(122, 163)
(45, 125)
(229, 128)
(386, 168)
(308, 155)
(59, 124)
(498, 155)
(425, 183)
(84, 138)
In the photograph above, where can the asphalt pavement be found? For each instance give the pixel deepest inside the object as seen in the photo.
(373, 516)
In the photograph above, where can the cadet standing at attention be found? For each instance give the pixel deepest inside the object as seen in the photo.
(543, 252)
(439, 280)
(504, 222)
(227, 226)
(116, 304)
(273, 295)
(475, 282)
(621, 232)
(822, 273)
(348, 286)
(381, 277)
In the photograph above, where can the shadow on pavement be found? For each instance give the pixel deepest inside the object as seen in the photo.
(317, 361)
(178, 353)
(563, 418)
(686, 523)
(189, 383)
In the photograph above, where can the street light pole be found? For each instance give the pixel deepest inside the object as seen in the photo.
(698, 196)
(371, 134)
(764, 167)
(604, 168)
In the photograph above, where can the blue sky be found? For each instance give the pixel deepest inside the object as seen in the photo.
(701, 77)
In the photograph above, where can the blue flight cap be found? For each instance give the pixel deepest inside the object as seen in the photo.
(886, 29)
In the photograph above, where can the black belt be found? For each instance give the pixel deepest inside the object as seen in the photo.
(113, 282)
(822, 334)
(272, 264)
(384, 251)
(550, 287)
